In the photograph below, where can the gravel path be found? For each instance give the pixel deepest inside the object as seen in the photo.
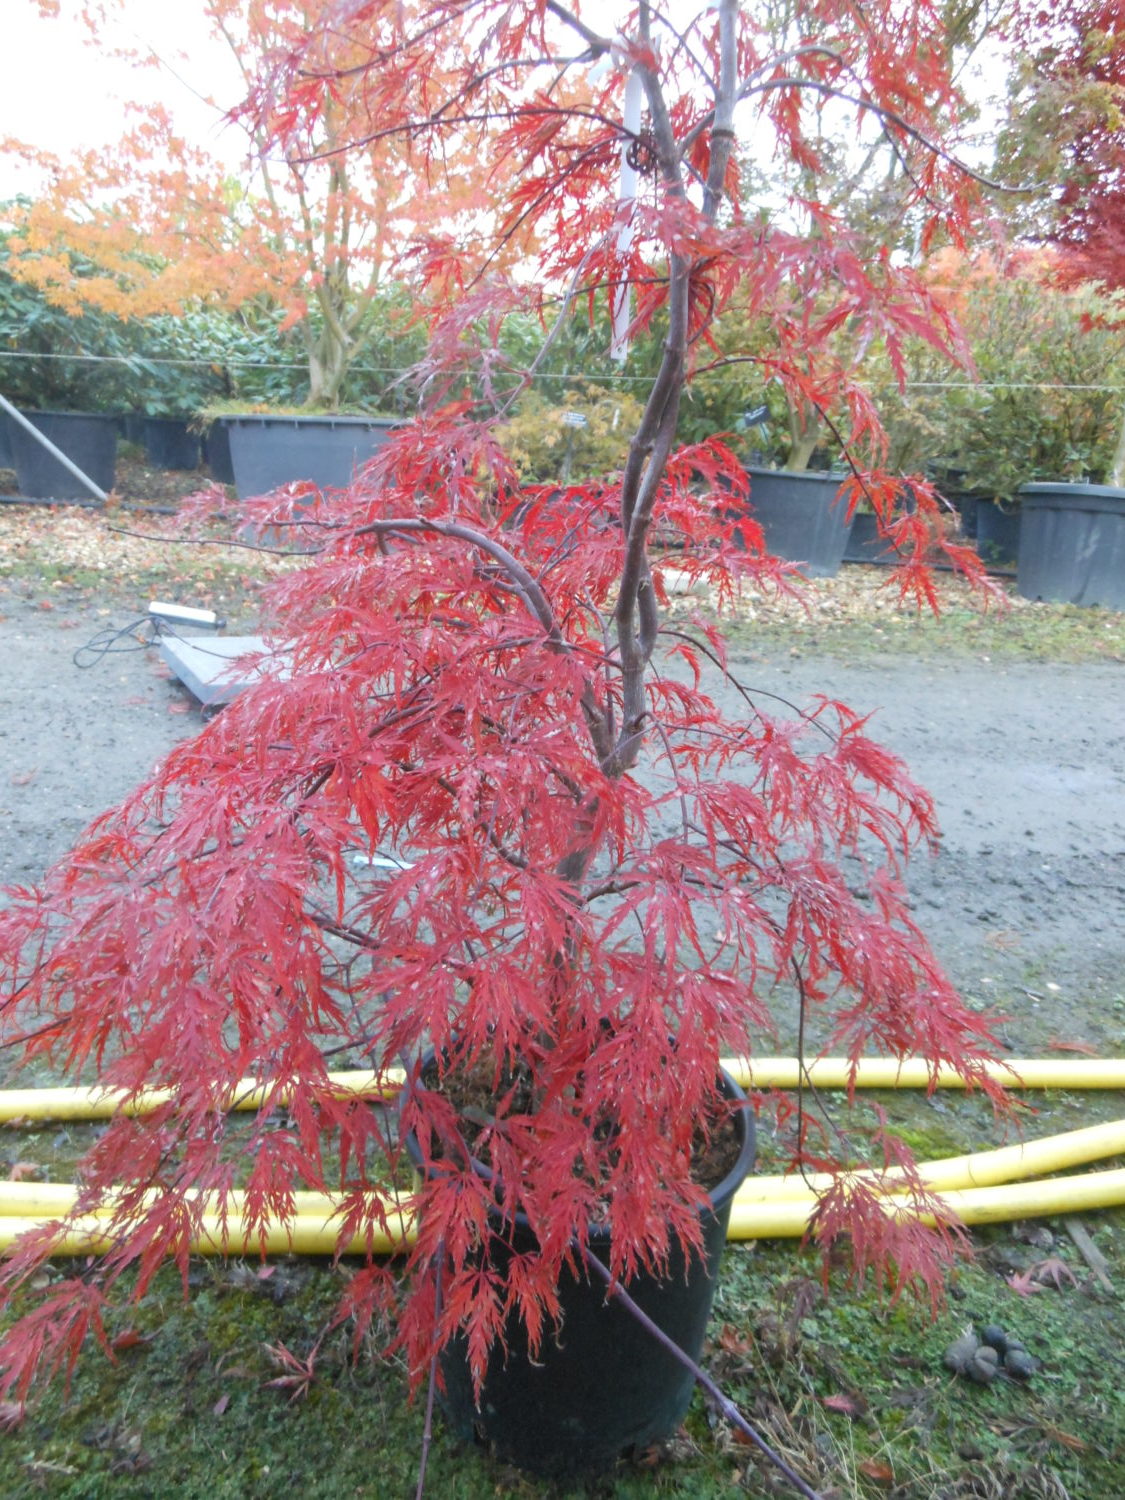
(1025, 904)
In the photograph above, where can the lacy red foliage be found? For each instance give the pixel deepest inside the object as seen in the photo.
(1079, 56)
(605, 870)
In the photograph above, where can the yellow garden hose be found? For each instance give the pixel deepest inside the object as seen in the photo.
(763, 1072)
(982, 1187)
(312, 1234)
(977, 1170)
(982, 1169)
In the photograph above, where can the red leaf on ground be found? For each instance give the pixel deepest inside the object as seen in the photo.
(221, 1404)
(179, 706)
(1024, 1283)
(1053, 1270)
(873, 1469)
(129, 1338)
(730, 1341)
(23, 778)
(25, 1171)
(843, 1401)
(1086, 1049)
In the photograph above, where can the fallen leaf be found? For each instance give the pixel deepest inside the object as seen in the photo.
(1067, 1439)
(221, 1404)
(730, 1341)
(179, 706)
(1055, 1270)
(129, 1338)
(881, 1473)
(25, 1171)
(851, 1406)
(23, 778)
(1085, 1049)
(1024, 1283)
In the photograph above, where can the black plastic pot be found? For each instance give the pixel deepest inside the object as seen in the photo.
(602, 1386)
(998, 534)
(268, 450)
(801, 519)
(1072, 544)
(216, 451)
(169, 444)
(131, 426)
(88, 440)
(865, 545)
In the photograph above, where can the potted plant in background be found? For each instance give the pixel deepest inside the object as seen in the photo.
(1045, 398)
(597, 874)
(581, 433)
(179, 364)
(1064, 135)
(68, 374)
(164, 229)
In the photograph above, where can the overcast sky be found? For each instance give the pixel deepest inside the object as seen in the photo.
(59, 92)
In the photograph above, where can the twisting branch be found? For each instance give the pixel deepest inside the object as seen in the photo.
(528, 590)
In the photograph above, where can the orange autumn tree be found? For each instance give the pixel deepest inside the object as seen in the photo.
(161, 224)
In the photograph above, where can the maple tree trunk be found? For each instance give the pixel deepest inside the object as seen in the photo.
(329, 357)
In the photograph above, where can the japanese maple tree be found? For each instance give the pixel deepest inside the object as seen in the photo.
(598, 873)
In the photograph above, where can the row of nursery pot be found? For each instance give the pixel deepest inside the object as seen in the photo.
(255, 453)
(1069, 538)
(1067, 541)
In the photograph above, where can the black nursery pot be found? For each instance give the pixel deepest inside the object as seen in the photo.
(89, 439)
(216, 452)
(997, 534)
(801, 518)
(601, 1386)
(1072, 544)
(170, 444)
(269, 450)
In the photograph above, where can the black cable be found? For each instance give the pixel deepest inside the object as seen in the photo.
(138, 635)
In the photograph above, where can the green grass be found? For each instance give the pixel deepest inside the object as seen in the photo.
(188, 1408)
(1040, 632)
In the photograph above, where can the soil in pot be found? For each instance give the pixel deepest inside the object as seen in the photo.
(601, 1387)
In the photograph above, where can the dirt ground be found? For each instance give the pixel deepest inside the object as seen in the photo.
(1024, 904)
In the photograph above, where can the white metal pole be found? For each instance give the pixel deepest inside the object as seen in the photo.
(620, 300)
